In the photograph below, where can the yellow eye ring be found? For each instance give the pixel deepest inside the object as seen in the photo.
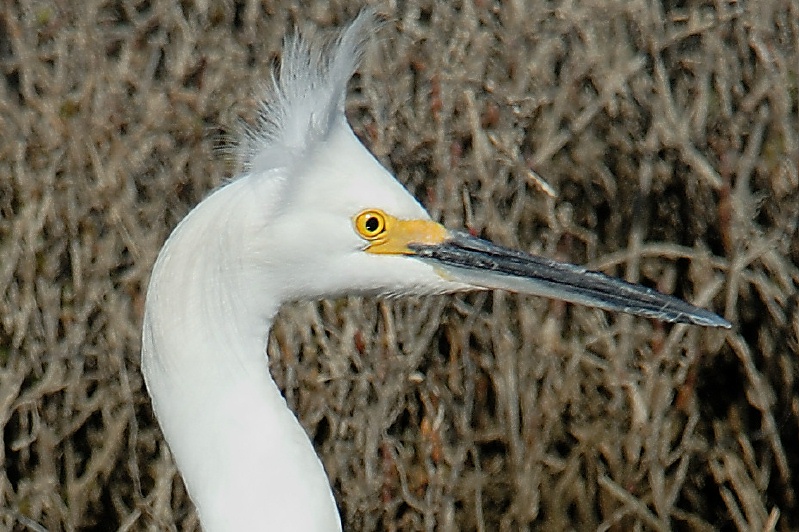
(370, 224)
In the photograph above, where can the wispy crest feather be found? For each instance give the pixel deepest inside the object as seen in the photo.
(305, 99)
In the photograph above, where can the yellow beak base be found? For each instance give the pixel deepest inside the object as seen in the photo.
(398, 234)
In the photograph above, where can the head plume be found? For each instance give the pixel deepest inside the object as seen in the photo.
(305, 98)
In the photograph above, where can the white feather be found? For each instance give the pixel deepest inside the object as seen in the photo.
(305, 100)
(282, 231)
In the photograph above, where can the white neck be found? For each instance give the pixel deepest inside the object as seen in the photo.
(246, 461)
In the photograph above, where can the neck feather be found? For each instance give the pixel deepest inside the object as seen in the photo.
(246, 462)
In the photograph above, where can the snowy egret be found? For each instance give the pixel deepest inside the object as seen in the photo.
(314, 215)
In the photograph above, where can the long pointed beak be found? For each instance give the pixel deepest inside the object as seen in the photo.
(482, 264)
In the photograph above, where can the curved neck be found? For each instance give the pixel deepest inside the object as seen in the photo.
(246, 461)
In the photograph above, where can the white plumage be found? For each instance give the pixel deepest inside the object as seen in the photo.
(314, 215)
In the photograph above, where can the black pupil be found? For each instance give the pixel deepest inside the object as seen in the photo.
(372, 224)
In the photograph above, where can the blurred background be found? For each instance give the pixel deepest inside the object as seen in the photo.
(665, 135)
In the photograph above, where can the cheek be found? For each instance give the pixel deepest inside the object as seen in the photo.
(391, 275)
(300, 251)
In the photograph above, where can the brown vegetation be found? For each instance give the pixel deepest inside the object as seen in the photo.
(670, 132)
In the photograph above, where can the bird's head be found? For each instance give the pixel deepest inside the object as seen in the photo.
(339, 223)
(343, 224)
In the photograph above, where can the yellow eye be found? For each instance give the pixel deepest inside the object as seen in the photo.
(370, 224)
